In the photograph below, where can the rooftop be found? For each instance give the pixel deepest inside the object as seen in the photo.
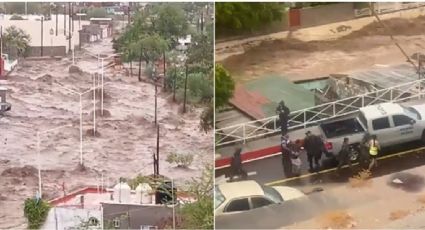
(381, 110)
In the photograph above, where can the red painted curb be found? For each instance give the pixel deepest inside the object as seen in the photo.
(225, 162)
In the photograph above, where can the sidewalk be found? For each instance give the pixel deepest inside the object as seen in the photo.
(254, 150)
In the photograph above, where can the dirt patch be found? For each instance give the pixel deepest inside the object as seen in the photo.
(398, 214)
(26, 171)
(337, 220)
(407, 181)
(362, 179)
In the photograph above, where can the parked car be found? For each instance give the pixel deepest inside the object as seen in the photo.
(246, 195)
(391, 123)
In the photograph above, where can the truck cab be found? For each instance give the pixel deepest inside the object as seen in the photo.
(392, 123)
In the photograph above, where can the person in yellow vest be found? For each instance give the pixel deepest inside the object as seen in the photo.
(374, 149)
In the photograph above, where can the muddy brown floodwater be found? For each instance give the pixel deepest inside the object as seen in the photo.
(296, 59)
(125, 135)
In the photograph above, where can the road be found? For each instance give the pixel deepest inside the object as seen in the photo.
(270, 170)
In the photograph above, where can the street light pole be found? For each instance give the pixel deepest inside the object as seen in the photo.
(81, 129)
(94, 105)
(39, 165)
(101, 98)
(41, 49)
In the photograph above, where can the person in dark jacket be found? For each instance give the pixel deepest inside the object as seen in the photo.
(236, 166)
(283, 113)
(286, 156)
(314, 147)
(344, 155)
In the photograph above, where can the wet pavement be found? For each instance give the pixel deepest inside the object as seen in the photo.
(270, 170)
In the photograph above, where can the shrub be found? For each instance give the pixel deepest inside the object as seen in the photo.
(182, 160)
(36, 210)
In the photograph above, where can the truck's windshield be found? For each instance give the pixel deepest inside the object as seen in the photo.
(411, 112)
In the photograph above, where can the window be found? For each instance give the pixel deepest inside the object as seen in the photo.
(237, 205)
(380, 123)
(400, 120)
(272, 194)
(116, 223)
(258, 202)
(219, 198)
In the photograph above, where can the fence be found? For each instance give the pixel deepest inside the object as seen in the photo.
(309, 116)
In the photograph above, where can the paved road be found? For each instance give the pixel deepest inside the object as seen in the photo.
(270, 170)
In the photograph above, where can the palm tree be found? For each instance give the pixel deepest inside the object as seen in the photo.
(16, 40)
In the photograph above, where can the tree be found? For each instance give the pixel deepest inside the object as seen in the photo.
(237, 17)
(36, 210)
(15, 38)
(224, 86)
(149, 48)
(200, 214)
(169, 21)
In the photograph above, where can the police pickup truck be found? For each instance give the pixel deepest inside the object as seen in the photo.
(391, 123)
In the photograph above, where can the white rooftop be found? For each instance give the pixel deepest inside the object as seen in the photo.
(381, 110)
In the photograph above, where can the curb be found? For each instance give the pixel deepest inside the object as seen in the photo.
(249, 156)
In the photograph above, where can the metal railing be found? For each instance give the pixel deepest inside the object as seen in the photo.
(305, 117)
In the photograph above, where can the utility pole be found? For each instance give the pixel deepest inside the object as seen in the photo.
(185, 89)
(69, 27)
(165, 76)
(202, 21)
(72, 16)
(64, 19)
(1, 40)
(157, 150)
(57, 11)
(41, 49)
(128, 14)
(174, 84)
(156, 101)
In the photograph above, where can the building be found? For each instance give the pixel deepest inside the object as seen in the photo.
(119, 207)
(45, 40)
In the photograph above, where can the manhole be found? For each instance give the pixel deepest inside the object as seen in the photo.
(407, 182)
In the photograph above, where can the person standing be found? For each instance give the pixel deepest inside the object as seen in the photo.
(286, 156)
(374, 149)
(313, 145)
(364, 151)
(236, 166)
(344, 155)
(283, 113)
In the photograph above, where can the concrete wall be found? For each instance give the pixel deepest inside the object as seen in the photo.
(326, 14)
(133, 216)
(33, 28)
(35, 51)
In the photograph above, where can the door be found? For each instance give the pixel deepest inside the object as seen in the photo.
(405, 128)
(384, 131)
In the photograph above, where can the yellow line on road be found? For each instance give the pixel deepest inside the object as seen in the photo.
(345, 166)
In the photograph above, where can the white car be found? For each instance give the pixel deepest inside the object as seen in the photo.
(246, 195)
